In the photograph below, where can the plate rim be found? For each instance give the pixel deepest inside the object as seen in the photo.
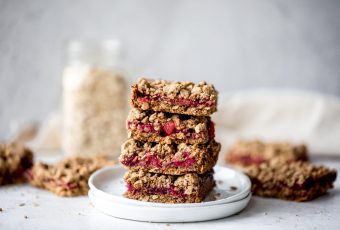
(243, 203)
(122, 199)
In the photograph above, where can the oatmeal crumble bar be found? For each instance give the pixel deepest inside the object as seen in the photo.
(174, 97)
(246, 153)
(15, 159)
(169, 128)
(153, 187)
(174, 159)
(68, 177)
(298, 181)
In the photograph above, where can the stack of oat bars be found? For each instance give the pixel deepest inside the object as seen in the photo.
(171, 151)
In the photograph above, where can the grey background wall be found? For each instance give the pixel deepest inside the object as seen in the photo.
(233, 44)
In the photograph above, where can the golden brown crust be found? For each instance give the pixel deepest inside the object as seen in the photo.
(15, 159)
(167, 198)
(150, 126)
(68, 177)
(173, 159)
(298, 181)
(155, 187)
(254, 152)
(197, 99)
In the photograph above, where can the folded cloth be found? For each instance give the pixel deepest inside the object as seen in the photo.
(280, 115)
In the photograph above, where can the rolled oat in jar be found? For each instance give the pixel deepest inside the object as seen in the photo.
(94, 100)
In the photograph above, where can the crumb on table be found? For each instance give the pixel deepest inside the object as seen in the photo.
(233, 188)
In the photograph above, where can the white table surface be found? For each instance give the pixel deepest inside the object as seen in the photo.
(47, 211)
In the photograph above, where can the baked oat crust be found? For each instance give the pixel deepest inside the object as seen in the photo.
(68, 177)
(245, 153)
(186, 188)
(15, 159)
(151, 126)
(173, 159)
(174, 97)
(298, 181)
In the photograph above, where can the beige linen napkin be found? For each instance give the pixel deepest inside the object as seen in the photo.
(280, 115)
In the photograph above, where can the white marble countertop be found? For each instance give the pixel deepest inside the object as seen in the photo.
(26, 207)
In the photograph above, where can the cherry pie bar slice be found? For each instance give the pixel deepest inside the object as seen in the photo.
(15, 159)
(246, 153)
(174, 97)
(68, 177)
(169, 128)
(153, 187)
(174, 159)
(297, 181)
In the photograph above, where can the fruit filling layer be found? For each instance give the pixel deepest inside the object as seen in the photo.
(175, 101)
(64, 185)
(169, 128)
(247, 159)
(151, 159)
(171, 191)
(53, 182)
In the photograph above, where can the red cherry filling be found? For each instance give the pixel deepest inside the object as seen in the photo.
(167, 191)
(211, 129)
(66, 185)
(61, 183)
(159, 190)
(142, 127)
(185, 102)
(169, 127)
(131, 160)
(69, 185)
(151, 159)
(248, 160)
(187, 162)
(144, 99)
(176, 101)
(130, 187)
(28, 174)
(146, 128)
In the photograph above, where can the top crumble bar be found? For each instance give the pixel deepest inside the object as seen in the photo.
(174, 97)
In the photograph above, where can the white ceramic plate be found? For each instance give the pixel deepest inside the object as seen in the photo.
(231, 185)
(167, 214)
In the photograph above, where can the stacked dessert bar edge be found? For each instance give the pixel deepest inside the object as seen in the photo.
(171, 151)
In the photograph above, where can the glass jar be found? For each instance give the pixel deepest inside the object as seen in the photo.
(94, 99)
